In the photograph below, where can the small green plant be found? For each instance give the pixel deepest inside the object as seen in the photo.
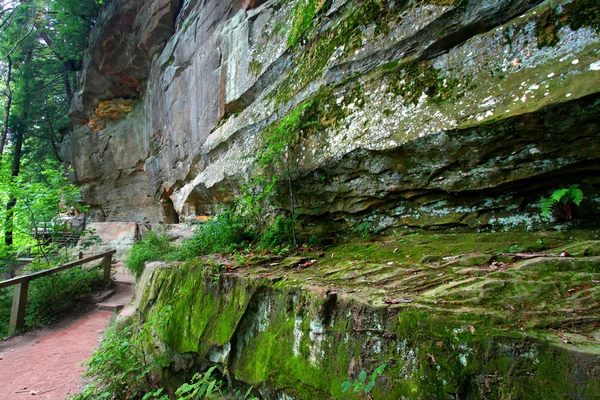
(363, 229)
(562, 203)
(362, 385)
(274, 164)
(121, 368)
(203, 386)
(514, 248)
(152, 247)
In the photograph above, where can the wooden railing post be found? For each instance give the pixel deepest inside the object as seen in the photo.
(17, 313)
(106, 263)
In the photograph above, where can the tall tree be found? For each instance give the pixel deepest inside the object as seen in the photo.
(41, 47)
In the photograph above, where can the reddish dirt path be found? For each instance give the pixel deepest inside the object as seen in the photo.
(47, 364)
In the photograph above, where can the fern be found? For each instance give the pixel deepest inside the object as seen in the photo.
(561, 203)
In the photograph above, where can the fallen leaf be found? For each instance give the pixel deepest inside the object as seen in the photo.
(511, 307)
(431, 356)
(397, 301)
(472, 329)
(308, 264)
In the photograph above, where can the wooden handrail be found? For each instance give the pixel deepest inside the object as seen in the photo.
(21, 284)
(50, 271)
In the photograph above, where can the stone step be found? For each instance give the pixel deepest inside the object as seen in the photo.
(123, 293)
(98, 297)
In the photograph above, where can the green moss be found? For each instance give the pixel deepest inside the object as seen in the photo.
(313, 57)
(576, 15)
(390, 65)
(289, 334)
(255, 67)
(304, 12)
(411, 80)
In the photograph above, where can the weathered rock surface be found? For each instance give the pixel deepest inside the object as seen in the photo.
(471, 320)
(422, 113)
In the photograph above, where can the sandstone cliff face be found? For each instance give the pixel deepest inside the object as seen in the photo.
(432, 113)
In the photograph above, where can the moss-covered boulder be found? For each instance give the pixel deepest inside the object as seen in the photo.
(464, 316)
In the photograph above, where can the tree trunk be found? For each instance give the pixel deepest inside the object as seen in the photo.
(7, 108)
(19, 137)
(12, 201)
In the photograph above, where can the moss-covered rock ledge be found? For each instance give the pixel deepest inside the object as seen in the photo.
(454, 316)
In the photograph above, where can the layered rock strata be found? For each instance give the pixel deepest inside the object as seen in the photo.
(432, 114)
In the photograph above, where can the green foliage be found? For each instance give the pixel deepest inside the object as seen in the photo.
(273, 169)
(41, 46)
(5, 308)
(362, 385)
(363, 229)
(304, 13)
(54, 295)
(152, 247)
(44, 197)
(89, 239)
(122, 366)
(223, 233)
(561, 203)
(203, 386)
(278, 234)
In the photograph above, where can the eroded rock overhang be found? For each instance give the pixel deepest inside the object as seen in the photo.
(428, 114)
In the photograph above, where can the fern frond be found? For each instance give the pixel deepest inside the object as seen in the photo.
(576, 194)
(546, 205)
(559, 194)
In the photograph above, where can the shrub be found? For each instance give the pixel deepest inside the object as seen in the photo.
(121, 368)
(562, 203)
(279, 233)
(54, 295)
(223, 233)
(152, 247)
(5, 306)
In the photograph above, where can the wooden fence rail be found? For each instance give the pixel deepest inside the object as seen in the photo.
(21, 283)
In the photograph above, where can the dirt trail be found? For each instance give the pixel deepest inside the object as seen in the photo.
(47, 364)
